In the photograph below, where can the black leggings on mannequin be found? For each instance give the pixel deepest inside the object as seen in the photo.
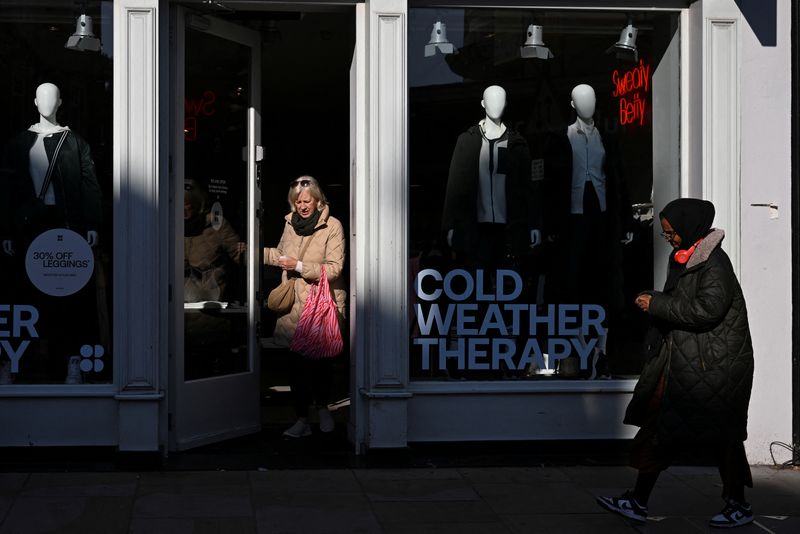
(311, 382)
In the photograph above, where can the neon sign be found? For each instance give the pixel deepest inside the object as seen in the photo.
(631, 88)
(194, 107)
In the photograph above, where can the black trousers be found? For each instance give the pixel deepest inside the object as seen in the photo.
(311, 382)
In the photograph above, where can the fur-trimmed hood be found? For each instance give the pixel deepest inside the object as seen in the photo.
(706, 247)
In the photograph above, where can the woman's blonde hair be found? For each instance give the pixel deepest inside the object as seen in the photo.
(313, 189)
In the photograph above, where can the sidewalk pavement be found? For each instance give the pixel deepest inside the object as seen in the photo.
(469, 500)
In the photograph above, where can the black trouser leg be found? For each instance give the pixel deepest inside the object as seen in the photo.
(734, 471)
(645, 482)
(321, 374)
(301, 385)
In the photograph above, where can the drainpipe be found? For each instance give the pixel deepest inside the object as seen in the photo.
(795, 233)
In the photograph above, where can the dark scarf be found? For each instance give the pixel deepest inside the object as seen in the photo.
(691, 219)
(194, 226)
(305, 226)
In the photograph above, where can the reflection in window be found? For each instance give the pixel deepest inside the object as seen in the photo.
(531, 194)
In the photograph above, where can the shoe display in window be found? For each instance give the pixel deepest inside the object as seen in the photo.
(74, 371)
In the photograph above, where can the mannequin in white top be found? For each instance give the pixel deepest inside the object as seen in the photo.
(584, 102)
(493, 128)
(589, 263)
(47, 101)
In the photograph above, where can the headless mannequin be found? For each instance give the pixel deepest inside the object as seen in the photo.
(47, 101)
(494, 104)
(584, 102)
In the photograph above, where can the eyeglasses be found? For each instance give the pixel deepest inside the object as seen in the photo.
(301, 183)
(668, 235)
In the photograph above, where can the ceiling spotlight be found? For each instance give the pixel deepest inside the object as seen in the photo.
(438, 40)
(625, 47)
(83, 39)
(534, 47)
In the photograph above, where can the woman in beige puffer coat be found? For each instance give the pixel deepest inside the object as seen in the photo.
(312, 232)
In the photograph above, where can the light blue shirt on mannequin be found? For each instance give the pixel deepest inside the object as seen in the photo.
(588, 156)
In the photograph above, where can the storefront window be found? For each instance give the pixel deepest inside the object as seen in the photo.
(56, 178)
(531, 187)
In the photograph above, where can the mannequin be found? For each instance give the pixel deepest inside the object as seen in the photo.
(73, 196)
(488, 202)
(589, 214)
(491, 218)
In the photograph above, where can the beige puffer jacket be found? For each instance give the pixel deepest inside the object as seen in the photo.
(326, 247)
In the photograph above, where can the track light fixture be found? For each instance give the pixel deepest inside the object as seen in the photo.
(438, 40)
(625, 47)
(534, 47)
(83, 39)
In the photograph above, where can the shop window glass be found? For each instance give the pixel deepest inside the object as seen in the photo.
(531, 232)
(56, 178)
(215, 206)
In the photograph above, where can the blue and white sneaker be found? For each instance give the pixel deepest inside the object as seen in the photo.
(625, 505)
(735, 514)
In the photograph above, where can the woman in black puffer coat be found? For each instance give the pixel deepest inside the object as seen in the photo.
(695, 387)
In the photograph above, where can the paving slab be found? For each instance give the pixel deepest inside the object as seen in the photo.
(305, 480)
(68, 515)
(446, 528)
(303, 513)
(594, 476)
(434, 512)
(420, 490)
(365, 475)
(192, 505)
(566, 523)
(80, 485)
(513, 475)
(185, 525)
(5, 506)
(193, 478)
(12, 483)
(557, 498)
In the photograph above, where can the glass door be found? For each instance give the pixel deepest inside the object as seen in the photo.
(216, 154)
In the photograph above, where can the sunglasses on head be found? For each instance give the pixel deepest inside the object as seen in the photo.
(301, 183)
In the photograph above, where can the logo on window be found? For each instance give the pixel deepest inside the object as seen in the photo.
(91, 358)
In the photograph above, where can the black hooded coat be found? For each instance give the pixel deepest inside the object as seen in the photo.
(702, 344)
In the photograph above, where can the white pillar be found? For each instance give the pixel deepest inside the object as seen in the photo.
(140, 222)
(381, 229)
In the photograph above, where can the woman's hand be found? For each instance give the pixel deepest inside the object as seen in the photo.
(643, 301)
(241, 250)
(287, 263)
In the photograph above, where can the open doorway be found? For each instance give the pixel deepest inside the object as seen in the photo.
(284, 88)
(306, 95)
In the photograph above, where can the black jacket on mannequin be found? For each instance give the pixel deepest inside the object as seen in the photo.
(77, 193)
(461, 198)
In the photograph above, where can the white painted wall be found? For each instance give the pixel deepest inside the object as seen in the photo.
(766, 267)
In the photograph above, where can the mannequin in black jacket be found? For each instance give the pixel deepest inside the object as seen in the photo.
(72, 200)
(73, 197)
(489, 211)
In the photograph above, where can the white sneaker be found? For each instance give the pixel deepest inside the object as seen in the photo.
(300, 429)
(74, 371)
(326, 422)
